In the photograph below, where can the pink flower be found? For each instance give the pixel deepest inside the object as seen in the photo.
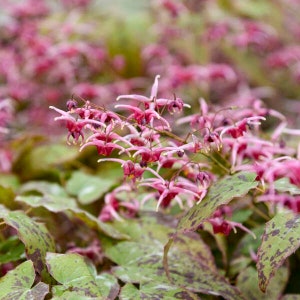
(143, 117)
(75, 127)
(291, 202)
(113, 207)
(169, 190)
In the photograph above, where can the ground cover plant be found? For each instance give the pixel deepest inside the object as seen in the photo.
(160, 161)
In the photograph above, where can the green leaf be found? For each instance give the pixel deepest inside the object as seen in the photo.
(89, 188)
(7, 197)
(190, 261)
(247, 281)
(35, 237)
(241, 215)
(157, 227)
(108, 285)
(9, 181)
(16, 284)
(130, 292)
(68, 205)
(42, 160)
(248, 244)
(11, 250)
(154, 291)
(73, 273)
(49, 155)
(45, 188)
(220, 193)
(280, 239)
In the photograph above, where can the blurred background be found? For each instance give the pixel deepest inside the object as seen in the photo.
(229, 52)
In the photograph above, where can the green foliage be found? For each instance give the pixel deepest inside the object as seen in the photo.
(280, 239)
(34, 235)
(88, 188)
(191, 265)
(11, 250)
(219, 194)
(68, 205)
(17, 284)
(76, 276)
(247, 281)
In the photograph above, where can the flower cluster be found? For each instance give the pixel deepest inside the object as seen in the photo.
(177, 167)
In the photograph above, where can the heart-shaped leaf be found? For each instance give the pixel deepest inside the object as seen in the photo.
(17, 283)
(34, 235)
(89, 188)
(74, 274)
(190, 262)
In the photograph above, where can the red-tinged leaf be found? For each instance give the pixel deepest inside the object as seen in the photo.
(34, 235)
(17, 284)
(280, 239)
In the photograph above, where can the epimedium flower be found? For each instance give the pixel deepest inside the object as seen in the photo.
(131, 170)
(224, 226)
(75, 126)
(240, 128)
(169, 190)
(113, 206)
(154, 104)
(143, 117)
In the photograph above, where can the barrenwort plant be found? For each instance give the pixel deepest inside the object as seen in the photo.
(168, 163)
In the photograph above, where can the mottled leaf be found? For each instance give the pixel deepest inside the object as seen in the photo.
(247, 281)
(68, 205)
(159, 227)
(89, 188)
(108, 285)
(141, 261)
(220, 193)
(74, 274)
(34, 235)
(155, 291)
(280, 239)
(130, 292)
(16, 284)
